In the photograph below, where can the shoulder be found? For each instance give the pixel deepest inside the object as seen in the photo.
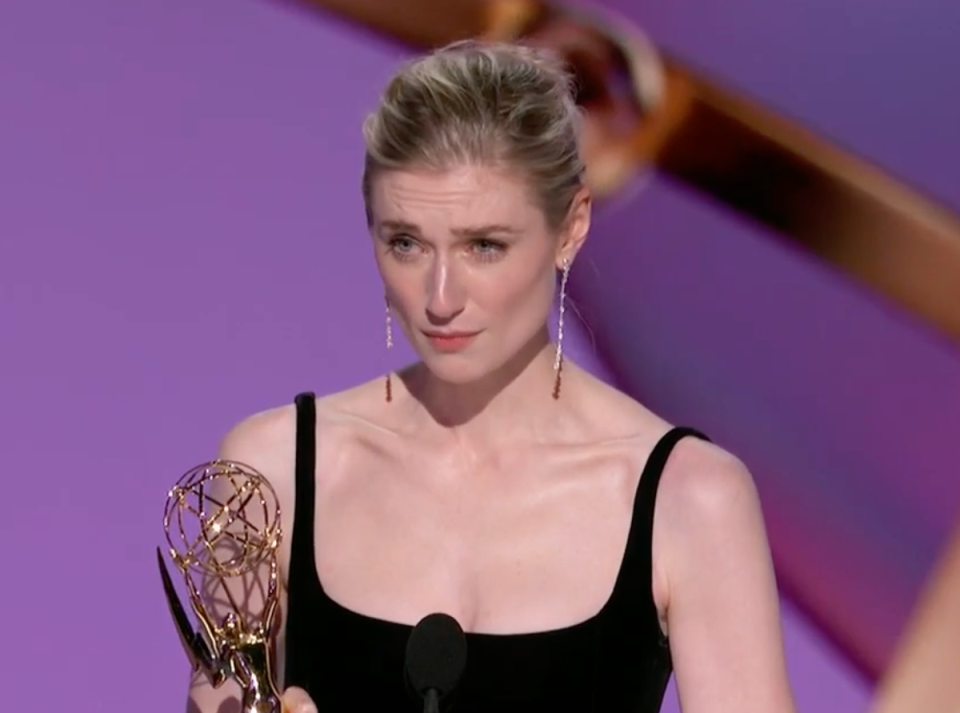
(719, 599)
(701, 482)
(707, 498)
(709, 512)
(702, 485)
(267, 438)
(704, 480)
(266, 442)
(264, 434)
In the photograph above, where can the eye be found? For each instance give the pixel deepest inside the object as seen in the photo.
(488, 249)
(402, 246)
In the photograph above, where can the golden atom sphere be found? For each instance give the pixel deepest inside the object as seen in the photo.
(222, 518)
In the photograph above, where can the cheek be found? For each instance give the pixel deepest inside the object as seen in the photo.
(524, 297)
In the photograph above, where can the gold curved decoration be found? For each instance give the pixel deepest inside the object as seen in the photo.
(734, 151)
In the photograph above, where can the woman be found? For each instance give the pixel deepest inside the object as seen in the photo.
(493, 480)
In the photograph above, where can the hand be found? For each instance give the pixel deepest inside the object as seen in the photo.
(297, 700)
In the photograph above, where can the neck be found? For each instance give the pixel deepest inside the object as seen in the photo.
(512, 398)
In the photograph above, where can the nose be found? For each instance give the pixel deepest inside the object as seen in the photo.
(445, 294)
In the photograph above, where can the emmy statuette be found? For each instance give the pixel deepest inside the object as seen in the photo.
(222, 524)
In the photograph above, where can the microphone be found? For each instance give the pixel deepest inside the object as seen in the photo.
(435, 659)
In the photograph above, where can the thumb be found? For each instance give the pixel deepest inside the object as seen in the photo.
(297, 700)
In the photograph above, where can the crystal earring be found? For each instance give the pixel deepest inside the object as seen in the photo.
(389, 323)
(558, 359)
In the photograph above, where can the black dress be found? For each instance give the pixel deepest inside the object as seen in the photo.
(616, 661)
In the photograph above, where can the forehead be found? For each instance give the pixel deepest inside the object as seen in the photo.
(461, 195)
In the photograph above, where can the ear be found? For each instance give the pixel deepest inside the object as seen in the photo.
(576, 227)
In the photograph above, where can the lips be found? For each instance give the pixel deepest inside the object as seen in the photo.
(450, 335)
(450, 341)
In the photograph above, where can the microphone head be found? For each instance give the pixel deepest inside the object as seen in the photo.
(436, 655)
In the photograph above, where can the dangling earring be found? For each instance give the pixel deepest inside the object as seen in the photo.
(558, 359)
(389, 346)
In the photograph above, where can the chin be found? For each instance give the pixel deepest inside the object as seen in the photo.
(460, 374)
(456, 369)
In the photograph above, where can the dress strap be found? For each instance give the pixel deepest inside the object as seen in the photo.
(302, 554)
(645, 503)
(635, 581)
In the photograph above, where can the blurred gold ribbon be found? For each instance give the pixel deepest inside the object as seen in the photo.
(647, 110)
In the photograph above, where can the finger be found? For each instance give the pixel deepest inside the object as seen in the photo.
(297, 700)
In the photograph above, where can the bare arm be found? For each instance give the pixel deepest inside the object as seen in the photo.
(923, 674)
(263, 442)
(722, 608)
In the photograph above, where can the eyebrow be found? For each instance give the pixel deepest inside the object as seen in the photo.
(468, 232)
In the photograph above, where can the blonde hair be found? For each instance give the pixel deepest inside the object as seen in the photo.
(482, 103)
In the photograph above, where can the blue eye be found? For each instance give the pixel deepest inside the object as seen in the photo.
(402, 246)
(488, 249)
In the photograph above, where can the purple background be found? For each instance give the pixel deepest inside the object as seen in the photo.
(182, 244)
(847, 411)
